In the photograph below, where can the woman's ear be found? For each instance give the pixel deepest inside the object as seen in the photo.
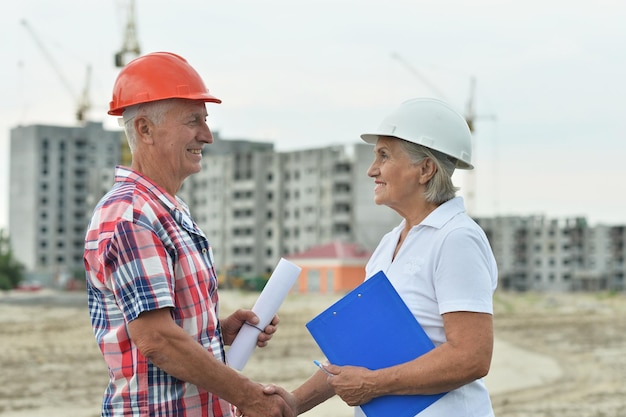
(427, 170)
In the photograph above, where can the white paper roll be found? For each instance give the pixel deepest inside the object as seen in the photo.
(274, 293)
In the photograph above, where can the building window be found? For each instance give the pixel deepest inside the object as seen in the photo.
(313, 280)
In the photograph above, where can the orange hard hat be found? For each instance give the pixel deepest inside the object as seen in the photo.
(157, 76)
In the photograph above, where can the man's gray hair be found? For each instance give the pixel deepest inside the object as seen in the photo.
(154, 111)
(439, 188)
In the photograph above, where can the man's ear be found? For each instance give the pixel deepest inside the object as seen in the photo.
(144, 129)
(427, 170)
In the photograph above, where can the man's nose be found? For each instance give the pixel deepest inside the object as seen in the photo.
(205, 135)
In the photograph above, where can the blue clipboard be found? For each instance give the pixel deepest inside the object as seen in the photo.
(372, 327)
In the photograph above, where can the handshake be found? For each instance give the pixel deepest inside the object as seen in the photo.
(345, 381)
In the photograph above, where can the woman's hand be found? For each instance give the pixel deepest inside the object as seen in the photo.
(352, 383)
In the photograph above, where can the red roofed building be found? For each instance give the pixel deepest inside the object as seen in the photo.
(331, 268)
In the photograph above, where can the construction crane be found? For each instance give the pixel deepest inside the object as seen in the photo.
(470, 112)
(83, 103)
(130, 44)
(470, 117)
(130, 50)
(416, 73)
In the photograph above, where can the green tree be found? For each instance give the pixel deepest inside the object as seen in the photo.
(11, 271)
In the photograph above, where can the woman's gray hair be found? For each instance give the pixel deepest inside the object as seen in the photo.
(439, 188)
(154, 111)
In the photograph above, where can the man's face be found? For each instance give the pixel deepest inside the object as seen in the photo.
(180, 137)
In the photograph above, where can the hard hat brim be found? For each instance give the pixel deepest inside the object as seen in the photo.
(207, 98)
(372, 138)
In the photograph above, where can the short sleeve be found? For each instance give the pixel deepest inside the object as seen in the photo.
(466, 273)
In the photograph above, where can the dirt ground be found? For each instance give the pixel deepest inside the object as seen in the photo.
(555, 355)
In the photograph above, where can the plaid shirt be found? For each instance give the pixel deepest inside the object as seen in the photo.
(144, 252)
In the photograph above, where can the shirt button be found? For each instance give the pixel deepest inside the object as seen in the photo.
(203, 250)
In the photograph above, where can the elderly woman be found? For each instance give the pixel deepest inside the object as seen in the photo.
(439, 261)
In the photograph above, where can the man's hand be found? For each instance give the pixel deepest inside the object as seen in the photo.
(289, 398)
(233, 323)
(281, 401)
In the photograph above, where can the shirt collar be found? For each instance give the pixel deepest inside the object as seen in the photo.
(438, 217)
(444, 213)
(124, 174)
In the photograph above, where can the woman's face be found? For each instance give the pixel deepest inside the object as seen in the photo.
(396, 178)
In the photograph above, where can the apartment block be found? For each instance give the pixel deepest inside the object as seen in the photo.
(618, 254)
(54, 176)
(257, 205)
(541, 254)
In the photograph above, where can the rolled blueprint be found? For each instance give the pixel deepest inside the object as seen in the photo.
(266, 306)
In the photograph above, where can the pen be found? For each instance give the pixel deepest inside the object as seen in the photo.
(322, 368)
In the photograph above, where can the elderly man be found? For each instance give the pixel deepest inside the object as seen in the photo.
(151, 279)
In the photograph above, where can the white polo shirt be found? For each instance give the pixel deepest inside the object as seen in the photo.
(445, 264)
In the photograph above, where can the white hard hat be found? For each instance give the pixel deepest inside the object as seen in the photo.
(431, 123)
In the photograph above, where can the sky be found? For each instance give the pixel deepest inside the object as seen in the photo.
(549, 98)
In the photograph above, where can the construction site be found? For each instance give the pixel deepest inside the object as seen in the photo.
(559, 307)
